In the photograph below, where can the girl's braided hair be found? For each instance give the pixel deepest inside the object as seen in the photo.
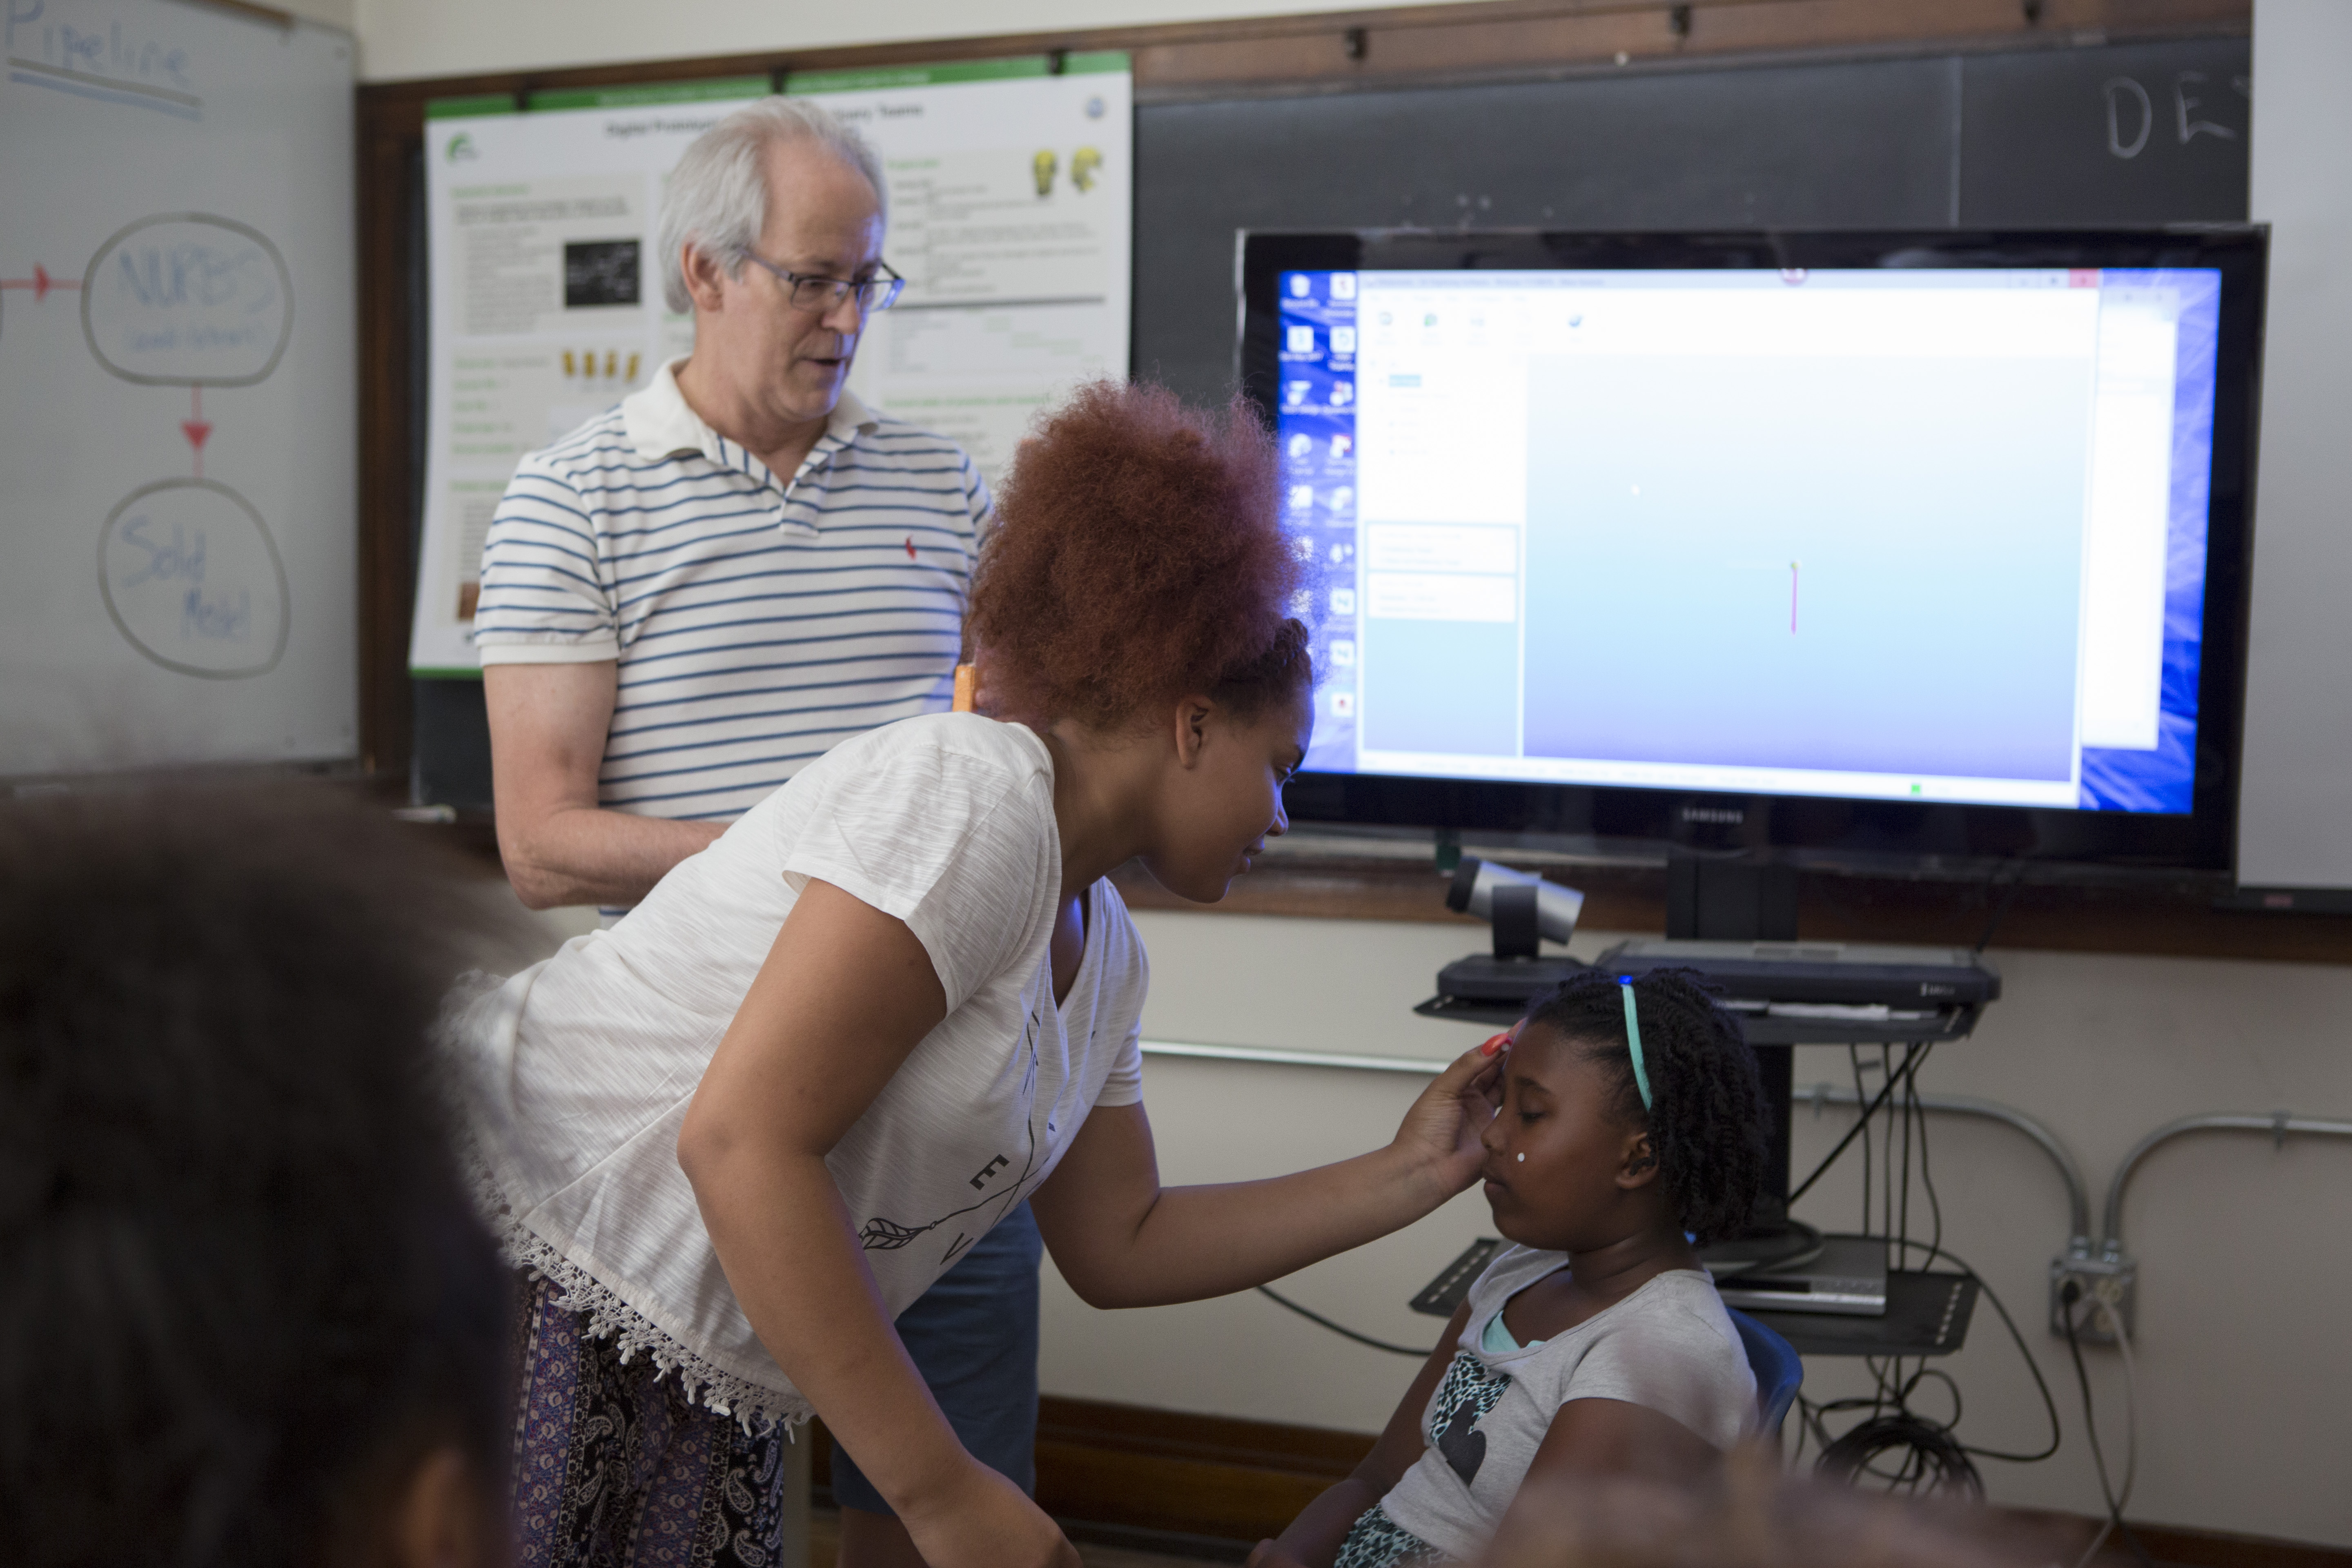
(1706, 1117)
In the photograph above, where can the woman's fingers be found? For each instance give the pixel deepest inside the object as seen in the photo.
(1445, 1120)
(1481, 1080)
(1466, 1070)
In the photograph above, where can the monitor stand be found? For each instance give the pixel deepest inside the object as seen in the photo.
(1746, 901)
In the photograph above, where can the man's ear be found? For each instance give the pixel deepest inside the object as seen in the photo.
(1192, 730)
(705, 277)
(1640, 1165)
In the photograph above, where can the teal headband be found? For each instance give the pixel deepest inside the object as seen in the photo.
(1633, 1039)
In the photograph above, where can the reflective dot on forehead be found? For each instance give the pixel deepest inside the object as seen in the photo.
(1523, 1159)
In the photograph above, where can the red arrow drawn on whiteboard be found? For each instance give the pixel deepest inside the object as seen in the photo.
(195, 428)
(40, 283)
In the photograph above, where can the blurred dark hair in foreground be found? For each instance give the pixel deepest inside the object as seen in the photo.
(244, 1310)
(1750, 1515)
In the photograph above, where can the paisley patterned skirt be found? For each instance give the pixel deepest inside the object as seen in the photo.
(615, 1467)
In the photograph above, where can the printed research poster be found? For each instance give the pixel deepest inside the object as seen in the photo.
(546, 301)
(1012, 191)
(1011, 201)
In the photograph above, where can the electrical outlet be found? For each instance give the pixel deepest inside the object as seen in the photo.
(2113, 1280)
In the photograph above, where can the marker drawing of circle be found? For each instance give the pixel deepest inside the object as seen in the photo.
(193, 580)
(188, 300)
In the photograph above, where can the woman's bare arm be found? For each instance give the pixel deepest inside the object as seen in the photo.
(1123, 1240)
(1314, 1537)
(845, 995)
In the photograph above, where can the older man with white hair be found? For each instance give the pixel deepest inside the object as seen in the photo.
(684, 601)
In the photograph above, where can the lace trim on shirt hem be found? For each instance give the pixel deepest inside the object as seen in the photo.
(756, 1409)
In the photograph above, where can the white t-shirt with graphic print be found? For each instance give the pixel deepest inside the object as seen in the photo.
(582, 1067)
(1669, 1346)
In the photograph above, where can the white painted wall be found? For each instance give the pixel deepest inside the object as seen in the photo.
(2295, 824)
(408, 39)
(2243, 1356)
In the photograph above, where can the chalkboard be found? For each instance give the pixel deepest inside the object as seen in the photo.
(2112, 136)
(2115, 134)
(178, 389)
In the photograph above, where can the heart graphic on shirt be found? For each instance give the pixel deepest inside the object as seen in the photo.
(1464, 1446)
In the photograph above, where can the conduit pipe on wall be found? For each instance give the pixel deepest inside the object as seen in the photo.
(2278, 1124)
(2078, 1191)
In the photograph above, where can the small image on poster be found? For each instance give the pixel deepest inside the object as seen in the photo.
(600, 272)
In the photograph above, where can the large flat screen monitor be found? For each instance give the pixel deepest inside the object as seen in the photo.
(1907, 543)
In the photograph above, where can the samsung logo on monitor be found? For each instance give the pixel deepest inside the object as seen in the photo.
(1715, 816)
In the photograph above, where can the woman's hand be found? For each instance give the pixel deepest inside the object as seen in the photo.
(1270, 1554)
(986, 1521)
(1442, 1126)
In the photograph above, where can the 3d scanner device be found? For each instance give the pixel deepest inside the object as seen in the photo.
(1523, 911)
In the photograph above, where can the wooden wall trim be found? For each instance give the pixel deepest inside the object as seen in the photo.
(387, 498)
(1455, 42)
(1205, 1476)
(2169, 918)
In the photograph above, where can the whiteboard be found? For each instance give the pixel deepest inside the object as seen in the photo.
(178, 389)
(2294, 806)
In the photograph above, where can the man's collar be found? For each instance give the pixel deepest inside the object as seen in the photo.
(660, 423)
(850, 418)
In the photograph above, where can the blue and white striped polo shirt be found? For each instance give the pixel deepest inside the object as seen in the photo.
(755, 623)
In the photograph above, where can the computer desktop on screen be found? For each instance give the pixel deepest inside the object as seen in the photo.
(1932, 534)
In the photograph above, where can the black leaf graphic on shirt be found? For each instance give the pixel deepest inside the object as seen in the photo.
(883, 1235)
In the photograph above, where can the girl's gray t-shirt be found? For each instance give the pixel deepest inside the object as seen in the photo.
(1669, 1346)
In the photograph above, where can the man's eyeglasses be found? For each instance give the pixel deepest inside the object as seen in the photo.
(811, 291)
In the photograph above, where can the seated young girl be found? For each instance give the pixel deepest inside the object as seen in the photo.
(1632, 1123)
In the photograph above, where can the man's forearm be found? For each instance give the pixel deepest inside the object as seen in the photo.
(580, 855)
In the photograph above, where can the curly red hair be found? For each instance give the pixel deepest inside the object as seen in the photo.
(1139, 556)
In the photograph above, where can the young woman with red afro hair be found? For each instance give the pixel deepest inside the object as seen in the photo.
(744, 1128)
